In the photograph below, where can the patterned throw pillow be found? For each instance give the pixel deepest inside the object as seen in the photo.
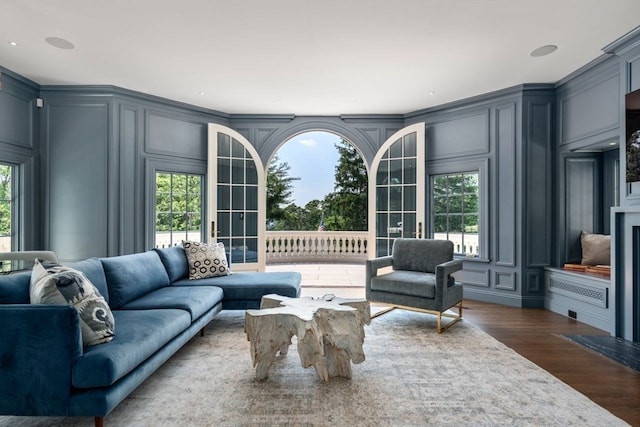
(206, 259)
(56, 284)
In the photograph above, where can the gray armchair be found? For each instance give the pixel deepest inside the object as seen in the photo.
(420, 279)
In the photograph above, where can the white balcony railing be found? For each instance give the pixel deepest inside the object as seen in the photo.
(284, 247)
(316, 246)
(287, 247)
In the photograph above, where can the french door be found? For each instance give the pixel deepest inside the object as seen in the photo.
(397, 189)
(236, 198)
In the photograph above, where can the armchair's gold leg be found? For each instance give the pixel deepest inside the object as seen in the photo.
(455, 320)
(439, 315)
(381, 312)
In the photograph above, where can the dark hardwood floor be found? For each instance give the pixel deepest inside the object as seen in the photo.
(538, 335)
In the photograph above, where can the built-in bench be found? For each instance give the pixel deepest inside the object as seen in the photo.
(581, 296)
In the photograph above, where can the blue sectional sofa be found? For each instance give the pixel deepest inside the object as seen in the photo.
(46, 371)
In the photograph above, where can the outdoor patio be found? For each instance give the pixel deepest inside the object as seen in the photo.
(343, 280)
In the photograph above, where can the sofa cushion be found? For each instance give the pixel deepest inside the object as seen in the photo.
(175, 262)
(14, 288)
(412, 283)
(131, 276)
(92, 268)
(58, 284)
(140, 334)
(252, 285)
(197, 300)
(205, 260)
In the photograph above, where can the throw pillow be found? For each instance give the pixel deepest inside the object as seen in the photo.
(57, 284)
(205, 259)
(596, 249)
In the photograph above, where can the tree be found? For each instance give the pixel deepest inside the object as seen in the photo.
(298, 218)
(5, 200)
(346, 207)
(279, 190)
(313, 214)
(455, 203)
(178, 202)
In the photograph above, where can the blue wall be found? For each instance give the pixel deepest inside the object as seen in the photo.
(20, 145)
(90, 155)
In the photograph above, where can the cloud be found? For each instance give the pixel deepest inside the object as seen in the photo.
(308, 142)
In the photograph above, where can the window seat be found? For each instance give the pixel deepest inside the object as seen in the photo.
(580, 295)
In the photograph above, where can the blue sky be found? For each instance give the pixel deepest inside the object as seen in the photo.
(312, 157)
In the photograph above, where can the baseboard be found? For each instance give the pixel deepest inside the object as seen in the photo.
(504, 299)
(583, 314)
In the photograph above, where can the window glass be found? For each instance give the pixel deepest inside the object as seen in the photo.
(224, 171)
(252, 173)
(178, 209)
(237, 208)
(410, 144)
(395, 151)
(237, 173)
(382, 177)
(395, 172)
(456, 211)
(409, 171)
(224, 145)
(382, 198)
(7, 211)
(237, 198)
(237, 149)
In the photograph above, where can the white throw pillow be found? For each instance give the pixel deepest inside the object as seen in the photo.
(596, 249)
(57, 284)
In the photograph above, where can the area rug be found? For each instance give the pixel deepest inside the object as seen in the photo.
(618, 349)
(411, 377)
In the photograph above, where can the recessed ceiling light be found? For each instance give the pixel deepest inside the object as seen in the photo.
(613, 143)
(60, 43)
(543, 50)
(13, 43)
(201, 93)
(433, 92)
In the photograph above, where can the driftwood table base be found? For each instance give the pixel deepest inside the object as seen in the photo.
(330, 333)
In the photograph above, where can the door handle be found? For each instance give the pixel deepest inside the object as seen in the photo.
(213, 229)
(419, 230)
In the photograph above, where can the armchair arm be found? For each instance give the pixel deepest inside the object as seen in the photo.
(443, 271)
(372, 266)
(449, 267)
(39, 345)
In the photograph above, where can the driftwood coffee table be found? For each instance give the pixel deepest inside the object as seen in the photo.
(330, 332)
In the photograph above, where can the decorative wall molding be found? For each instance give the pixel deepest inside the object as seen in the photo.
(505, 180)
(591, 111)
(166, 134)
(473, 277)
(505, 281)
(534, 282)
(538, 183)
(459, 135)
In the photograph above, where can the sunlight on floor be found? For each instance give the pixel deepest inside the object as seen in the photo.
(343, 280)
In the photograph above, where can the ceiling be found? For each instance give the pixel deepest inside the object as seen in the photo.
(308, 57)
